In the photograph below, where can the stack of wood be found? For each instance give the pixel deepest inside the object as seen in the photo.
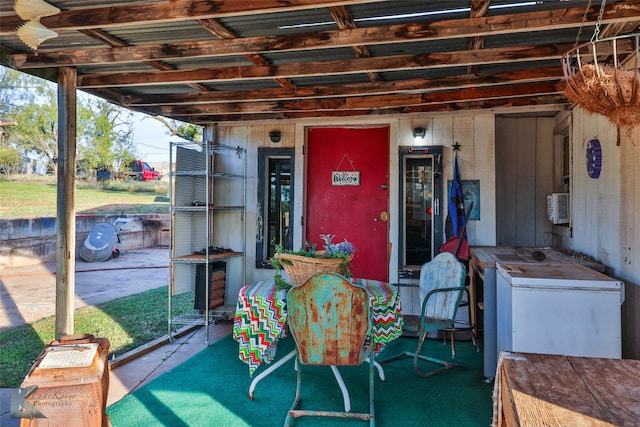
(216, 295)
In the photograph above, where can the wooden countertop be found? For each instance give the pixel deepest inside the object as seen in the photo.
(553, 390)
(487, 256)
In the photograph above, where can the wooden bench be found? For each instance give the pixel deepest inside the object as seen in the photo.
(552, 390)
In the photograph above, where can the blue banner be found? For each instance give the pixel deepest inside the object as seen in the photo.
(456, 201)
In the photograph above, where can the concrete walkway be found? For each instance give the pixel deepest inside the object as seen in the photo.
(27, 294)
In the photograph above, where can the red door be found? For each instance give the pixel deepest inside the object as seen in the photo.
(347, 194)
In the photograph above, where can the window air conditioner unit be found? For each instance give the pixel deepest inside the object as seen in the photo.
(558, 208)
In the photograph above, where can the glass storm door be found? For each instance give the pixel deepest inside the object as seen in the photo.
(421, 230)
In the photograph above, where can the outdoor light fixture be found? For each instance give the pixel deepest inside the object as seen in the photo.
(33, 33)
(419, 133)
(275, 136)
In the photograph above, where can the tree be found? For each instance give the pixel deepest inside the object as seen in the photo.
(32, 105)
(11, 161)
(107, 137)
(105, 131)
(186, 131)
(12, 85)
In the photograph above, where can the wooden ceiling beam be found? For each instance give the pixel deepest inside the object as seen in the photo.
(365, 102)
(113, 41)
(186, 10)
(471, 27)
(167, 11)
(377, 88)
(479, 8)
(216, 28)
(344, 21)
(616, 29)
(309, 69)
(544, 101)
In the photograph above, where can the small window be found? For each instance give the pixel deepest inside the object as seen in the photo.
(275, 202)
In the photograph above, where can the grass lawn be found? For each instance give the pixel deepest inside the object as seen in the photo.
(28, 196)
(127, 322)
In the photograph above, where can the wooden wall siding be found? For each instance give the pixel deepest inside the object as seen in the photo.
(524, 177)
(606, 222)
(596, 202)
(544, 178)
(630, 239)
(227, 225)
(474, 132)
(252, 137)
(482, 166)
(508, 146)
(605, 212)
(476, 160)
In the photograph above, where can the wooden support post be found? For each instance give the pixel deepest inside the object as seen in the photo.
(66, 211)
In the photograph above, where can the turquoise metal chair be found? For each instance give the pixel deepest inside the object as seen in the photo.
(442, 285)
(331, 323)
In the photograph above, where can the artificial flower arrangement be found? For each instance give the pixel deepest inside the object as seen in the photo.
(300, 264)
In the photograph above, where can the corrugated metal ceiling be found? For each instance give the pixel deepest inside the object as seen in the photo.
(281, 70)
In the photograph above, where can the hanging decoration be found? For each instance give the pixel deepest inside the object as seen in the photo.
(34, 9)
(33, 33)
(602, 75)
(594, 158)
(342, 178)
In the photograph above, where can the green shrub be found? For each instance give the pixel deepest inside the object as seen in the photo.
(11, 161)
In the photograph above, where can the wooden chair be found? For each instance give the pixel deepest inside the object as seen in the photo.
(330, 320)
(442, 285)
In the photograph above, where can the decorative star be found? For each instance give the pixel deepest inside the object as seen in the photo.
(457, 146)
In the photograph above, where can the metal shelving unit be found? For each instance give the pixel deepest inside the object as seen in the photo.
(201, 188)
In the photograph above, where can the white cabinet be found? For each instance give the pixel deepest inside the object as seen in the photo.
(207, 194)
(482, 265)
(558, 309)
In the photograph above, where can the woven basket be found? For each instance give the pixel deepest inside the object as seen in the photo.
(602, 77)
(299, 268)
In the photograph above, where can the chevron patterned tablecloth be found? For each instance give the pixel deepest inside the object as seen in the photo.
(261, 318)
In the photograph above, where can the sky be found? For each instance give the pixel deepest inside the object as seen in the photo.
(151, 139)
